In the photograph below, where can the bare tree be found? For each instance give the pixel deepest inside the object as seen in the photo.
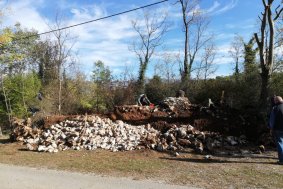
(207, 66)
(150, 32)
(195, 26)
(278, 46)
(236, 52)
(265, 42)
(127, 75)
(62, 57)
(166, 66)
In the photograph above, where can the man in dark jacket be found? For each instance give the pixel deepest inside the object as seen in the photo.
(143, 100)
(276, 124)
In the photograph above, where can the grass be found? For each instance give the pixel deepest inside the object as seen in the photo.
(258, 171)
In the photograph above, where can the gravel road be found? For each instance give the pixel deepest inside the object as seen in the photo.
(15, 177)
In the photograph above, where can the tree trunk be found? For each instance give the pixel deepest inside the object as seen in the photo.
(185, 76)
(60, 95)
(8, 108)
(266, 51)
(264, 93)
(23, 95)
(141, 79)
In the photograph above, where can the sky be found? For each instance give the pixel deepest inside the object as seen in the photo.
(109, 40)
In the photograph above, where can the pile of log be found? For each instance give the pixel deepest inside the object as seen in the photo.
(92, 132)
(22, 129)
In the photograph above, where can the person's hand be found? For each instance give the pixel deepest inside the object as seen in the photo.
(270, 131)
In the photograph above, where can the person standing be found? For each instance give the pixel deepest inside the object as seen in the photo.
(276, 125)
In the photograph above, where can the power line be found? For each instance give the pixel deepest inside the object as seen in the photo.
(82, 23)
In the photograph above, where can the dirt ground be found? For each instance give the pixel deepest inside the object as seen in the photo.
(221, 171)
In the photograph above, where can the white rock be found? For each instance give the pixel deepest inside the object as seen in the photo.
(41, 148)
(30, 147)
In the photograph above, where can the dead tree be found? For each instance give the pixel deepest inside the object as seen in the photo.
(265, 42)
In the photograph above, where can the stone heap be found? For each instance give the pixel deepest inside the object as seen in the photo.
(178, 107)
(186, 136)
(177, 103)
(89, 132)
(92, 132)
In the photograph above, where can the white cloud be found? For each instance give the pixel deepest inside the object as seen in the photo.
(216, 8)
(26, 13)
(223, 60)
(242, 25)
(105, 40)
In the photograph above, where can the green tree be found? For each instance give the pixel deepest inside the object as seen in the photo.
(250, 81)
(21, 91)
(250, 57)
(77, 94)
(5, 40)
(155, 89)
(101, 76)
(16, 65)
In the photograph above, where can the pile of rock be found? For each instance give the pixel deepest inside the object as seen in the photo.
(178, 107)
(186, 136)
(92, 132)
(177, 103)
(89, 132)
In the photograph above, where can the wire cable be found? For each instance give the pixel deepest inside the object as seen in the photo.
(82, 23)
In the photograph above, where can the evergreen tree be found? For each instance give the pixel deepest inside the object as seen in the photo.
(250, 57)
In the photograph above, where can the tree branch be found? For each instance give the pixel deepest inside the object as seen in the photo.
(264, 3)
(257, 39)
(277, 13)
